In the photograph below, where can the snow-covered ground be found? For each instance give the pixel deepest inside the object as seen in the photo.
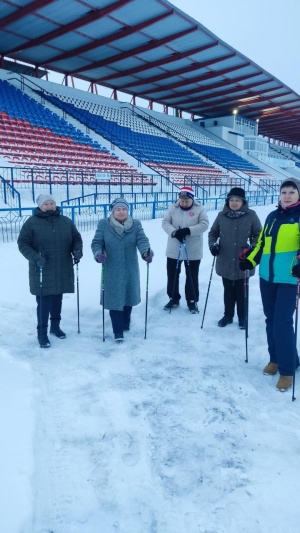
(172, 434)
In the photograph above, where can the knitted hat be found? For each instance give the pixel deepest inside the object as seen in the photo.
(187, 191)
(291, 182)
(238, 192)
(119, 202)
(42, 198)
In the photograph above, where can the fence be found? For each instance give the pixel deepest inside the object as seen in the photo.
(87, 216)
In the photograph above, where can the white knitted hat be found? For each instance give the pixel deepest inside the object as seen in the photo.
(42, 198)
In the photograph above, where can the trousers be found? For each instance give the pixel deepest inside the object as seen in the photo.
(234, 294)
(191, 281)
(48, 305)
(279, 303)
(120, 319)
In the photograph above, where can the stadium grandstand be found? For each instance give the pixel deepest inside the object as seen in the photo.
(224, 121)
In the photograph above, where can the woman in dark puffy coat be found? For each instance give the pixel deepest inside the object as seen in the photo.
(237, 227)
(50, 241)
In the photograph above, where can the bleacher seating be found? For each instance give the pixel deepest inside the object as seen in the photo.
(31, 135)
(139, 139)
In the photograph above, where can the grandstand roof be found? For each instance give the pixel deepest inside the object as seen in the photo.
(150, 49)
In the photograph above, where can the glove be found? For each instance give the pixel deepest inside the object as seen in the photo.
(100, 258)
(41, 261)
(246, 265)
(147, 256)
(181, 233)
(77, 255)
(245, 252)
(215, 249)
(296, 271)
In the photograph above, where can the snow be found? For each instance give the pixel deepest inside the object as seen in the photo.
(174, 433)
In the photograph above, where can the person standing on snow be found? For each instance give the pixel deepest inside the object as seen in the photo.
(186, 220)
(237, 227)
(115, 245)
(50, 241)
(276, 253)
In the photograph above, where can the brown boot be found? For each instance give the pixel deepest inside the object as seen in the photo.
(284, 383)
(271, 369)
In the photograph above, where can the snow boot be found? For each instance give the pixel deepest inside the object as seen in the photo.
(271, 369)
(119, 337)
(171, 305)
(242, 323)
(192, 306)
(284, 383)
(225, 321)
(55, 330)
(43, 337)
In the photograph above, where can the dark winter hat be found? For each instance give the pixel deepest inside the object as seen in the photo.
(42, 198)
(238, 192)
(291, 182)
(119, 202)
(187, 191)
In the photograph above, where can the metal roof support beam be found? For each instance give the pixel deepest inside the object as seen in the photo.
(91, 16)
(23, 11)
(135, 51)
(207, 76)
(124, 32)
(179, 72)
(177, 56)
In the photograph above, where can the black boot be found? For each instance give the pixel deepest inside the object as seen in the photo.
(55, 329)
(43, 337)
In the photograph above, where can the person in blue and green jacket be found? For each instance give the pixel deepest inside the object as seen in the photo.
(277, 253)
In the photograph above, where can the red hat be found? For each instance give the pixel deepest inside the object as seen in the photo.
(187, 191)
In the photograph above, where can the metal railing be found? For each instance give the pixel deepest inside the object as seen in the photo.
(86, 216)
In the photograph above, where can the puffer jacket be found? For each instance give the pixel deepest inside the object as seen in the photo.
(194, 218)
(121, 269)
(234, 235)
(278, 246)
(54, 236)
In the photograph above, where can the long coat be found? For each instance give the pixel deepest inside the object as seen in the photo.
(194, 218)
(121, 269)
(234, 234)
(54, 236)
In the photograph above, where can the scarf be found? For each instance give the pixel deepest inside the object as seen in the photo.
(235, 214)
(121, 227)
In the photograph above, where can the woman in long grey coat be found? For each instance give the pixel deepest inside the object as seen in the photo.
(115, 245)
(237, 227)
(50, 242)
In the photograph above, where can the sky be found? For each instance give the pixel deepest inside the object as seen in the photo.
(174, 433)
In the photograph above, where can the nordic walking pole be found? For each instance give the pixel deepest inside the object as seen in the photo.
(176, 274)
(190, 274)
(246, 308)
(211, 273)
(296, 333)
(102, 289)
(41, 297)
(146, 309)
(77, 285)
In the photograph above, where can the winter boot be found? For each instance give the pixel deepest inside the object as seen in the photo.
(55, 330)
(225, 321)
(119, 337)
(284, 383)
(271, 369)
(172, 304)
(242, 323)
(43, 337)
(192, 306)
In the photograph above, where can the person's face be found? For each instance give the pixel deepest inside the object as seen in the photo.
(48, 206)
(120, 214)
(235, 203)
(288, 196)
(185, 201)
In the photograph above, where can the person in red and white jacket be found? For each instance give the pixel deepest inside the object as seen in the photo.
(187, 220)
